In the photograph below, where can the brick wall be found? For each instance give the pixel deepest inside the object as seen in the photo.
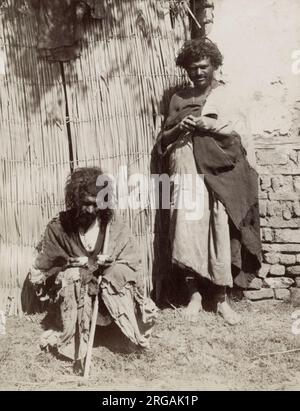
(279, 169)
(258, 39)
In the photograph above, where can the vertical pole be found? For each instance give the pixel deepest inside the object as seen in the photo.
(68, 126)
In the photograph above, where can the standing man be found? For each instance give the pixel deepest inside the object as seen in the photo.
(70, 260)
(204, 134)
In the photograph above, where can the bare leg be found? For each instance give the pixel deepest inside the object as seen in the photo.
(78, 368)
(195, 301)
(224, 309)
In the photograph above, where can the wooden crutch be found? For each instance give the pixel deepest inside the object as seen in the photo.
(88, 358)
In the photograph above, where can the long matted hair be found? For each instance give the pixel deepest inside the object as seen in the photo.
(80, 183)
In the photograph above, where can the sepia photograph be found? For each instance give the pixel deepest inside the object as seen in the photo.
(149, 198)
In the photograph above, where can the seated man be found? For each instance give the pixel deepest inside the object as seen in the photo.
(85, 252)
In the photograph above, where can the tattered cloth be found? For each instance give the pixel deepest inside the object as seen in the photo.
(222, 159)
(121, 289)
(60, 26)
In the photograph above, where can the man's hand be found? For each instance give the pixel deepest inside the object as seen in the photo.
(78, 262)
(104, 260)
(68, 276)
(205, 123)
(188, 124)
(37, 277)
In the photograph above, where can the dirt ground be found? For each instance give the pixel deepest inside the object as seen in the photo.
(207, 355)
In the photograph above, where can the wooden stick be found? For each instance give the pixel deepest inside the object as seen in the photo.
(95, 315)
(188, 9)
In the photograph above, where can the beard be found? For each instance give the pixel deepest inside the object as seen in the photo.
(73, 220)
(85, 219)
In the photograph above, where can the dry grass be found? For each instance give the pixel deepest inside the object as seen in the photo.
(207, 355)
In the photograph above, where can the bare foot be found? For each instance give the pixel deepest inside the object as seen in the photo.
(230, 316)
(194, 307)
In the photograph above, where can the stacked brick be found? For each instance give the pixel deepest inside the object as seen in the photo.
(279, 169)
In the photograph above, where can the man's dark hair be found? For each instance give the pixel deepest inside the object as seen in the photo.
(81, 183)
(198, 49)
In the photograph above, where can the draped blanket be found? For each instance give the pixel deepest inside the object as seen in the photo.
(58, 246)
(73, 289)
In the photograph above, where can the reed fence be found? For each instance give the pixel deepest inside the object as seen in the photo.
(116, 97)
